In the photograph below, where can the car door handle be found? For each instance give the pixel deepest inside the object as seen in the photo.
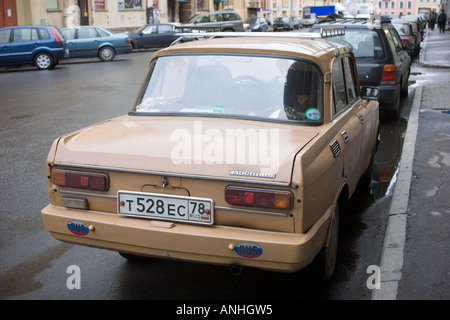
(361, 118)
(344, 135)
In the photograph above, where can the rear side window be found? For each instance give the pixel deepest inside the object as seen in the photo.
(394, 39)
(25, 34)
(229, 17)
(350, 78)
(165, 28)
(339, 91)
(4, 35)
(43, 34)
(86, 33)
(102, 33)
(344, 84)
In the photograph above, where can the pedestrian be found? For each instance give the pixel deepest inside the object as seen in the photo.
(433, 16)
(442, 21)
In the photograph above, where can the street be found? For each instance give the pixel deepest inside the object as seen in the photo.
(37, 107)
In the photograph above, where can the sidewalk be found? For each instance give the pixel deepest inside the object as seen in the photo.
(415, 264)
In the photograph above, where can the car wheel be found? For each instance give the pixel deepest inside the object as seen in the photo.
(44, 61)
(404, 90)
(366, 177)
(326, 259)
(106, 54)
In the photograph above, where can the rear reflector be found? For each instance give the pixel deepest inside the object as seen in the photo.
(265, 198)
(79, 179)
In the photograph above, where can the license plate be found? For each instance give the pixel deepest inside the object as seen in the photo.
(165, 207)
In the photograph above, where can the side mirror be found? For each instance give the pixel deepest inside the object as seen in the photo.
(370, 93)
(410, 46)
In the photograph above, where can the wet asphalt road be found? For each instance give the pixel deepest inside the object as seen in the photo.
(39, 106)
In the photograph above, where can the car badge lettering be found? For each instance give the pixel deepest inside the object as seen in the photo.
(249, 250)
(78, 228)
(252, 174)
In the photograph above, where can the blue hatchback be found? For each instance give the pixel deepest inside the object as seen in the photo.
(41, 46)
(94, 41)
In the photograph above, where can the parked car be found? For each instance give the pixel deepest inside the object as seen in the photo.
(421, 23)
(381, 59)
(237, 152)
(405, 31)
(94, 41)
(154, 36)
(216, 20)
(40, 46)
(297, 23)
(309, 20)
(283, 23)
(256, 24)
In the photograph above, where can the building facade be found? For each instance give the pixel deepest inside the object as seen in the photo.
(128, 15)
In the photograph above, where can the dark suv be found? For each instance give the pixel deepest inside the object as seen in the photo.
(41, 46)
(381, 59)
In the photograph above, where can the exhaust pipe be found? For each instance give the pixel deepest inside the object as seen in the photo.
(236, 270)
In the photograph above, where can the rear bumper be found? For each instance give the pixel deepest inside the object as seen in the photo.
(124, 49)
(389, 96)
(277, 251)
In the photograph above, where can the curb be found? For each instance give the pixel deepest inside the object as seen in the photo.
(423, 50)
(391, 263)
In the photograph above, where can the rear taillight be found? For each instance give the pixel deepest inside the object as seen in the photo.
(79, 179)
(404, 42)
(388, 73)
(127, 40)
(255, 197)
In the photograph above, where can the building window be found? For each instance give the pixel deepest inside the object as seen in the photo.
(129, 4)
(401, 4)
(392, 5)
(52, 4)
(409, 4)
(203, 5)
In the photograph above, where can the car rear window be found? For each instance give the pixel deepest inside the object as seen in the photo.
(246, 86)
(366, 43)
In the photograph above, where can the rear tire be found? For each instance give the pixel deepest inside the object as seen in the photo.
(326, 259)
(404, 89)
(44, 61)
(106, 54)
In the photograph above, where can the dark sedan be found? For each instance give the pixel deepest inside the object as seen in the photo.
(154, 36)
(283, 23)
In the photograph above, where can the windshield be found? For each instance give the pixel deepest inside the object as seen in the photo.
(244, 86)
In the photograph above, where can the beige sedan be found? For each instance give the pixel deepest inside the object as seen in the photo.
(241, 150)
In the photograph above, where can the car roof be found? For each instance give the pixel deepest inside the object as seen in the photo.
(309, 46)
(29, 26)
